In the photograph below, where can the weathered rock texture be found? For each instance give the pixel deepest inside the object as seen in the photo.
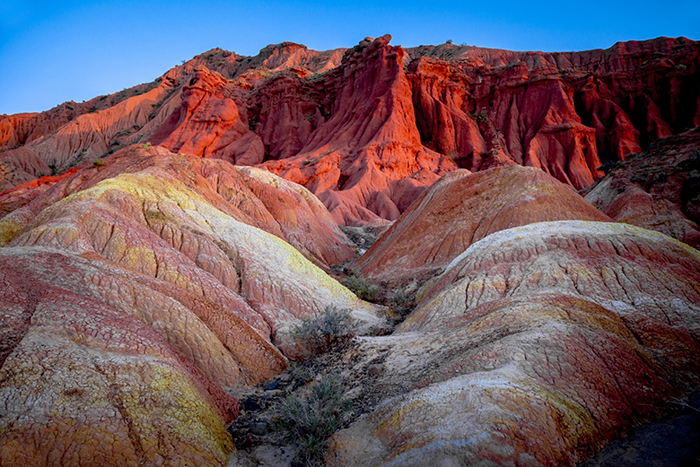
(366, 159)
(369, 128)
(658, 189)
(536, 346)
(99, 366)
(135, 293)
(139, 290)
(462, 208)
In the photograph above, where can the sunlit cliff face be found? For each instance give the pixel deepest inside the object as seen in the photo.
(367, 129)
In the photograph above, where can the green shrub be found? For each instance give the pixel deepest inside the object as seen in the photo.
(401, 303)
(300, 374)
(478, 116)
(325, 329)
(360, 287)
(610, 165)
(312, 420)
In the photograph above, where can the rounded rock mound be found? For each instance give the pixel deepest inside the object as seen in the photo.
(461, 209)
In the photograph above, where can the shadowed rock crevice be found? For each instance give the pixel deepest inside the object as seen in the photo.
(20, 309)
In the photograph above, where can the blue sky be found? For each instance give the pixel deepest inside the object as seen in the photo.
(51, 52)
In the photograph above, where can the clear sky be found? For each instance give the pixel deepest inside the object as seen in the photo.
(55, 51)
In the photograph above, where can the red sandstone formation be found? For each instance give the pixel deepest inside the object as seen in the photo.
(21, 129)
(20, 195)
(462, 208)
(366, 159)
(206, 123)
(19, 166)
(536, 346)
(90, 135)
(142, 287)
(37, 182)
(658, 189)
(562, 112)
(368, 129)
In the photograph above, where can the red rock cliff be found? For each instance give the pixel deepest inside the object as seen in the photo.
(369, 128)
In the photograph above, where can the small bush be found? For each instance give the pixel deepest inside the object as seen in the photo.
(311, 421)
(401, 303)
(363, 289)
(478, 116)
(324, 330)
(300, 374)
(99, 163)
(147, 146)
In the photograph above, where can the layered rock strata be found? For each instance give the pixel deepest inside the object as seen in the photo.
(461, 209)
(536, 346)
(138, 292)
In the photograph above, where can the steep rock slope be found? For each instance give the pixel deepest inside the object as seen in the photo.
(658, 189)
(462, 208)
(62, 138)
(513, 117)
(138, 292)
(367, 129)
(631, 93)
(19, 166)
(366, 159)
(207, 122)
(188, 99)
(562, 112)
(535, 347)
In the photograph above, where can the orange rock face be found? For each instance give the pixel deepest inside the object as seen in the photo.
(365, 160)
(369, 128)
(658, 189)
(207, 123)
(562, 112)
(462, 208)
